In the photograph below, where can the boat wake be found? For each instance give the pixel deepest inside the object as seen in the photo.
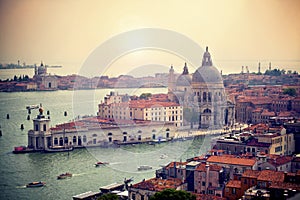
(115, 163)
(22, 186)
(81, 174)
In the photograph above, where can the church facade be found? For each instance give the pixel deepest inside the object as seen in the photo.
(202, 96)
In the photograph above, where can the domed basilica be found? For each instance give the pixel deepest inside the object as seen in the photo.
(202, 96)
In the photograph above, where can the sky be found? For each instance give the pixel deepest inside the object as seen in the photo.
(66, 32)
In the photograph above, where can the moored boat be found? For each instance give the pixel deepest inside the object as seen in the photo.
(36, 184)
(97, 164)
(65, 175)
(22, 149)
(58, 149)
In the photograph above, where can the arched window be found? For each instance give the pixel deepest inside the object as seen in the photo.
(153, 136)
(139, 131)
(55, 141)
(167, 129)
(109, 134)
(74, 139)
(124, 133)
(66, 140)
(204, 96)
(79, 140)
(84, 138)
(36, 127)
(207, 110)
(61, 141)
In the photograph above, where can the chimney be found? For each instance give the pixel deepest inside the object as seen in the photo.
(206, 178)
(175, 170)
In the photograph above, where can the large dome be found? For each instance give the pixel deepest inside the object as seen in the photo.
(207, 73)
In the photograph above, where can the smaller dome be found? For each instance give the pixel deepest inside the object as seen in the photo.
(184, 80)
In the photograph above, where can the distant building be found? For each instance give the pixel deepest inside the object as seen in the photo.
(44, 80)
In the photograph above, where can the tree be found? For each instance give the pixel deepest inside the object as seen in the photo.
(290, 91)
(274, 72)
(171, 194)
(190, 116)
(145, 95)
(108, 197)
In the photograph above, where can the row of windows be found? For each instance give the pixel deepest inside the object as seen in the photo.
(278, 149)
(37, 127)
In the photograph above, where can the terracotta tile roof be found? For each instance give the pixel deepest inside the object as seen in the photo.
(270, 175)
(277, 160)
(285, 186)
(157, 184)
(234, 184)
(202, 167)
(267, 113)
(171, 164)
(251, 174)
(286, 114)
(232, 161)
(255, 143)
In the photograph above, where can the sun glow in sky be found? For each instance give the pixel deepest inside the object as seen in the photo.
(65, 32)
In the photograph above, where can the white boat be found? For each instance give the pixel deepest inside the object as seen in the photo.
(30, 107)
(144, 167)
(163, 156)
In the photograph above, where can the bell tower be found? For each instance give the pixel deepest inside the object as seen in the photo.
(171, 84)
(40, 137)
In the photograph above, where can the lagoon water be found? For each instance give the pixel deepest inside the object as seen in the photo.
(16, 170)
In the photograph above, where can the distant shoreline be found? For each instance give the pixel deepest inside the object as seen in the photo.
(27, 67)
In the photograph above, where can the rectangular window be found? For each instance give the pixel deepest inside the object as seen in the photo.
(233, 191)
(278, 149)
(203, 183)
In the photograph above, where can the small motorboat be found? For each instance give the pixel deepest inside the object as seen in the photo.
(163, 156)
(36, 184)
(65, 175)
(97, 164)
(144, 167)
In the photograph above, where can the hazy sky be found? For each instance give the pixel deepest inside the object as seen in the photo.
(65, 32)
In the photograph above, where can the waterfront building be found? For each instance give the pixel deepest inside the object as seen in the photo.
(39, 138)
(202, 93)
(95, 131)
(120, 107)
